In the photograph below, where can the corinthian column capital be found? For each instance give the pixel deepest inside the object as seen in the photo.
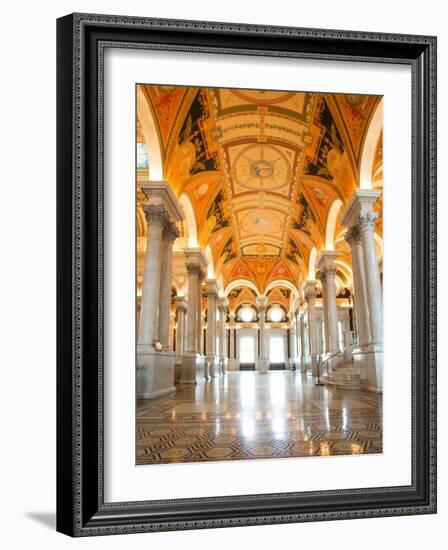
(156, 214)
(353, 236)
(193, 268)
(222, 304)
(367, 221)
(309, 290)
(170, 233)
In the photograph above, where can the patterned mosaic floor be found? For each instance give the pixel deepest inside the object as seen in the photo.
(246, 415)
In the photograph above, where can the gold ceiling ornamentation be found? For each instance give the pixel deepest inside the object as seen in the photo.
(262, 169)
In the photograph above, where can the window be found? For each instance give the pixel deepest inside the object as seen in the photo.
(246, 315)
(276, 349)
(247, 349)
(276, 314)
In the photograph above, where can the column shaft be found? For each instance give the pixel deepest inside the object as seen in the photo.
(180, 330)
(232, 336)
(325, 312)
(169, 235)
(332, 310)
(156, 217)
(200, 335)
(312, 327)
(353, 237)
(211, 325)
(192, 308)
(372, 274)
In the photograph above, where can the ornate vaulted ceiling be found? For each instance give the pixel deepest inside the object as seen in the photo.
(261, 169)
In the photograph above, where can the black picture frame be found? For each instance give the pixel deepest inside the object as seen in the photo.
(81, 510)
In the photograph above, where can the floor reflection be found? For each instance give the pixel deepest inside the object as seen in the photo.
(246, 415)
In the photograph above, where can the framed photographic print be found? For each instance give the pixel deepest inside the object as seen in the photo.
(246, 274)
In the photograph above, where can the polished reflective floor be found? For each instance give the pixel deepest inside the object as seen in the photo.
(246, 415)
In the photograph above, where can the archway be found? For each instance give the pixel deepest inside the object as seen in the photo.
(331, 224)
(369, 147)
(151, 136)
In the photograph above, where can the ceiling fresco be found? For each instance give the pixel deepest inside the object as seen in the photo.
(261, 169)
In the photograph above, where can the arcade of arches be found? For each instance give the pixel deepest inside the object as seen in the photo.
(259, 274)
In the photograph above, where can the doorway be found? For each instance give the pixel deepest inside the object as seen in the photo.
(276, 352)
(247, 352)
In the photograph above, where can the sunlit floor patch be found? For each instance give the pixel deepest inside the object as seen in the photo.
(246, 415)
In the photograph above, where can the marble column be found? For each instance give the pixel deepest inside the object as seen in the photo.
(156, 363)
(199, 318)
(170, 234)
(299, 340)
(327, 266)
(310, 297)
(262, 364)
(353, 238)
(360, 219)
(211, 356)
(222, 338)
(181, 308)
(191, 344)
(172, 336)
(367, 222)
(292, 339)
(232, 359)
(323, 284)
(156, 217)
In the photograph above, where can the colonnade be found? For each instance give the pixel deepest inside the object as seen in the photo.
(360, 219)
(159, 366)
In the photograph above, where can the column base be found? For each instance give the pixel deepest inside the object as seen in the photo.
(223, 366)
(213, 366)
(262, 366)
(309, 366)
(177, 369)
(369, 363)
(193, 368)
(155, 372)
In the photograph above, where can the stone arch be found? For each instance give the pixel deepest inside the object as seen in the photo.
(282, 282)
(241, 282)
(151, 136)
(211, 264)
(330, 227)
(189, 224)
(369, 147)
(312, 264)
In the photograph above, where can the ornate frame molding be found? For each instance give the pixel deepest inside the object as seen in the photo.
(81, 510)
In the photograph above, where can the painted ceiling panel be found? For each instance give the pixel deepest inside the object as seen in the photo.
(262, 169)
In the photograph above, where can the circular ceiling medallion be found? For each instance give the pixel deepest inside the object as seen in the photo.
(263, 97)
(262, 221)
(261, 167)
